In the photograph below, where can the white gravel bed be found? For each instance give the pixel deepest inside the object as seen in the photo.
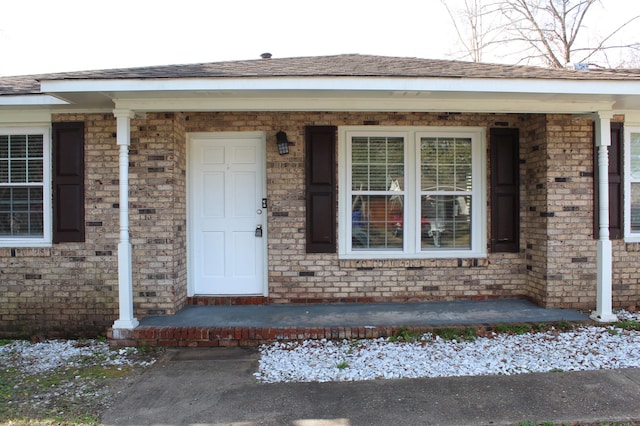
(34, 358)
(585, 348)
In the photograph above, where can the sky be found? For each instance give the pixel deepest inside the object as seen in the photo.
(43, 36)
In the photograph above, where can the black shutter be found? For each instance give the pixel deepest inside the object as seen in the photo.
(616, 161)
(320, 146)
(505, 190)
(68, 182)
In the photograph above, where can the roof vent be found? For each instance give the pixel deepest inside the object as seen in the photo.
(266, 55)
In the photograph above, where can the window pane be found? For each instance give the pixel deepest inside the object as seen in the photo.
(4, 147)
(635, 181)
(376, 162)
(5, 224)
(445, 164)
(18, 171)
(635, 207)
(445, 222)
(5, 200)
(18, 146)
(635, 156)
(4, 158)
(20, 224)
(35, 146)
(21, 212)
(21, 207)
(4, 171)
(35, 170)
(21, 158)
(377, 222)
(378, 177)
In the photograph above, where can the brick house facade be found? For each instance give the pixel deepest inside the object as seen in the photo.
(71, 288)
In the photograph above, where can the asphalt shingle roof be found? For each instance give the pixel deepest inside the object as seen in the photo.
(320, 66)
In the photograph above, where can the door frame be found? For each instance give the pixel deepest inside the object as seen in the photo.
(192, 138)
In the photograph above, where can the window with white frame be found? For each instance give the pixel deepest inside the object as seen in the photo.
(24, 187)
(412, 192)
(632, 184)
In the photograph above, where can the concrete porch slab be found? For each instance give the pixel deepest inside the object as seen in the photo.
(464, 312)
(252, 325)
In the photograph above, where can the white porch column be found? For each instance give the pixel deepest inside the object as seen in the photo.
(603, 312)
(125, 280)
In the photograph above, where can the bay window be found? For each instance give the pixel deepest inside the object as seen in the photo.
(24, 187)
(412, 192)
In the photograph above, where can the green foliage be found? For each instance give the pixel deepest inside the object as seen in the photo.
(447, 334)
(564, 326)
(458, 335)
(542, 327)
(404, 335)
(44, 398)
(514, 328)
(628, 325)
(342, 365)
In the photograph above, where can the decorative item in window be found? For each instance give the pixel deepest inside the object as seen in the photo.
(283, 143)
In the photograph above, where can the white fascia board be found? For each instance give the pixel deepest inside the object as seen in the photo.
(311, 103)
(485, 85)
(25, 117)
(30, 100)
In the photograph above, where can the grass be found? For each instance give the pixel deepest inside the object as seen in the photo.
(449, 334)
(518, 329)
(73, 394)
(54, 397)
(342, 365)
(628, 325)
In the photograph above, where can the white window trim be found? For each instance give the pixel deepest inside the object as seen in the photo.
(411, 235)
(629, 236)
(46, 239)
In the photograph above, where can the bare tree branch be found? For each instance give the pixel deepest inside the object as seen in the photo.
(548, 31)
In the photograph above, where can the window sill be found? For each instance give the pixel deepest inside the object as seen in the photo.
(479, 262)
(24, 243)
(25, 251)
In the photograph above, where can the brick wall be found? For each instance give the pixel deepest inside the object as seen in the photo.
(557, 211)
(571, 247)
(158, 211)
(71, 288)
(295, 276)
(533, 205)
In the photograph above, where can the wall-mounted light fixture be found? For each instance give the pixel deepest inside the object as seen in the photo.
(283, 143)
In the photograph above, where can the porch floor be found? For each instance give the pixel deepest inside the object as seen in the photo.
(250, 325)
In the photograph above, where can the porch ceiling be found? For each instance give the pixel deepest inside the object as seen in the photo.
(314, 100)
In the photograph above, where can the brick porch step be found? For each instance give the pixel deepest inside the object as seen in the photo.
(254, 336)
(255, 324)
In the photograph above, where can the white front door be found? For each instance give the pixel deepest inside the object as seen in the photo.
(227, 223)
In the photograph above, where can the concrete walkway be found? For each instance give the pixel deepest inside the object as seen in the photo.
(215, 386)
(364, 314)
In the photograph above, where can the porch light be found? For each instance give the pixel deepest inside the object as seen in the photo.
(283, 143)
